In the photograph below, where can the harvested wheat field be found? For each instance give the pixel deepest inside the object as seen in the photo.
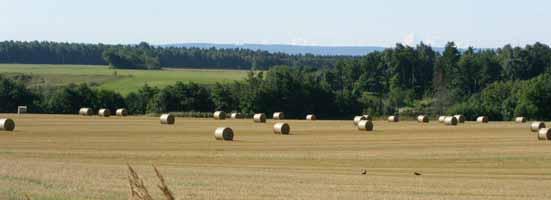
(85, 157)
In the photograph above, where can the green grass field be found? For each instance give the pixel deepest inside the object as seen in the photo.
(123, 81)
(74, 157)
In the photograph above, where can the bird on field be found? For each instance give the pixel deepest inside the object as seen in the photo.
(364, 172)
(417, 173)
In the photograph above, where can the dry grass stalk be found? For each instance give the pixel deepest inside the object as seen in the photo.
(138, 191)
(163, 187)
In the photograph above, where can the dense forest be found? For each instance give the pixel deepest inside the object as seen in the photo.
(145, 56)
(500, 83)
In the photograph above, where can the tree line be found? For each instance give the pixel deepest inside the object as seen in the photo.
(145, 56)
(500, 83)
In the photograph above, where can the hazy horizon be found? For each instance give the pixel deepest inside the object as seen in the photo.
(348, 23)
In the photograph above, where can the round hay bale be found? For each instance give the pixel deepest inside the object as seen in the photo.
(482, 119)
(236, 115)
(536, 126)
(357, 119)
(441, 119)
(365, 125)
(422, 119)
(259, 118)
(393, 118)
(7, 124)
(520, 120)
(223, 133)
(460, 118)
(278, 115)
(544, 134)
(104, 112)
(451, 121)
(311, 117)
(167, 119)
(219, 115)
(368, 117)
(86, 112)
(121, 112)
(282, 128)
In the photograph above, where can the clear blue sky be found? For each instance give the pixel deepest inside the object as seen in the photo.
(482, 23)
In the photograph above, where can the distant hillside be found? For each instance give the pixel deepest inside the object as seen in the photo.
(290, 49)
(145, 56)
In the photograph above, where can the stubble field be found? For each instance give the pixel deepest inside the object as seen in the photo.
(75, 157)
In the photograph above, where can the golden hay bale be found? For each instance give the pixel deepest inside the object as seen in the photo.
(86, 111)
(393, 118)
(282, 128)
(357, 119)
(104, 112)
(451, 121)
(219, 115)
(536, 126)
(422, 119)
(441, 119)
(7, 124)
(223, 133)
(544, 134)
(278, 115)
(236, 115)
(368, 117)
(365, 125)
(460, 118)
(311, 117)
(259, 118)
(520, 120)
(482, 119)
(167, 119)
(121, 112)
